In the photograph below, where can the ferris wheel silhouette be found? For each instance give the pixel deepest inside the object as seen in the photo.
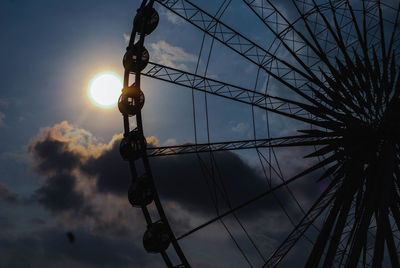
(336, 64)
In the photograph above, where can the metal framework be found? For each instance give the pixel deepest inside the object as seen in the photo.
(301, 140)
(341, 59)
(142, 20)
(221, 89)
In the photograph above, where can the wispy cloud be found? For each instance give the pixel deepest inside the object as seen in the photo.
(127, 37)
(172, 17)
(240, 128)
(170, 142)
(173, 56)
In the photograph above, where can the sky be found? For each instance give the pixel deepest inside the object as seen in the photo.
(60, 168)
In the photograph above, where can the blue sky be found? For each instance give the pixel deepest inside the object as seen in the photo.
(60, 170)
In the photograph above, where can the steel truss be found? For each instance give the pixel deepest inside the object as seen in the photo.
(301, 140)
(221, 89)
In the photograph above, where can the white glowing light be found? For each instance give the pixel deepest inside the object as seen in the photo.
(104, 89)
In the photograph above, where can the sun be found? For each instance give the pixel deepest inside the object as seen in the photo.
(104, 89)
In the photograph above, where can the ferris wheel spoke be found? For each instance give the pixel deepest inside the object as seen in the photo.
(394, 259)
(346, 92)
(282, 35)
(265, 9)
(290, 141)
(282, 106)
(241, 45)
(313, 213)
(321, 164)
(362, 225)
(395, 28)
(221, 89)
(356, 88)
(336, 219)
(321, 57)
(349, 93)
(218, 30)
(284, 41)
(336, 235)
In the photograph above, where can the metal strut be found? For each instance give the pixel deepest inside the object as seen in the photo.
(133, 146)
(290, 141)
(222, 89)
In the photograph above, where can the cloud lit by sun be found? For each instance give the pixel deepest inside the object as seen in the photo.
(104, 89)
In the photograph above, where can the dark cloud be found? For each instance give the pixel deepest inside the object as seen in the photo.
(76, 175)
(111, 171)
(7, 195)
(58, 193)
(65, 156)
(60, 158)
(57, 154)
(53, 155)
(181, 179)
(57, 149)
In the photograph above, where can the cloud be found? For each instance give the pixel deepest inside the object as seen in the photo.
(76, 168)
(53, 156)
(152, 141)
(67, 156)
(7, 195)
(170, 142)
(80, 180)
(172, 17)
(173, 56)
(240, 128)
(111, 172)
(127, 37)
(181, 179)
(57, 155)
(59, 194)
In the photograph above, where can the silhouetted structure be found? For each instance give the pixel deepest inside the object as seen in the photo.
(342, 62)
(142, 191)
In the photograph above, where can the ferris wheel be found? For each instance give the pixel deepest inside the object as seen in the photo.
(325, 87)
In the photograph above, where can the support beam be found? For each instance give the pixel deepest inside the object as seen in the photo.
(301, 140)
(218, 30)
(314, 212)
(278, 68)
(221, 89)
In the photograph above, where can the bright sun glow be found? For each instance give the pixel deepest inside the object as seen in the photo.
(104, 89)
